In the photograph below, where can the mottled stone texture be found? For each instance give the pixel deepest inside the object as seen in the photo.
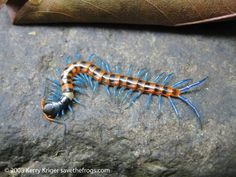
(130, 142)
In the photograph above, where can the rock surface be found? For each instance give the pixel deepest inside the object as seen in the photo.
(130, 142)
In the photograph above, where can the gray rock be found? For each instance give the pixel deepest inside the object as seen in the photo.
(130, 142)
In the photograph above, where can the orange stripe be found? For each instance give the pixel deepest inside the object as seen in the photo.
(70, 86)
(86, 67)
(91, 71)
(124, 84)
(159, 90)
(134, 85)
(151, 89)
(106, 80)
(99, 77)
(116, 81)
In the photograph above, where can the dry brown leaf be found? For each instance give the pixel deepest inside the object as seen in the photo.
(156, 12)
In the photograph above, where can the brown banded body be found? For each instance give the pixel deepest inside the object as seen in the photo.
(87, 73)
(112, 80)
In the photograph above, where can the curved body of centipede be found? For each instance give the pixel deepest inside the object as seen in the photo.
(95, 71)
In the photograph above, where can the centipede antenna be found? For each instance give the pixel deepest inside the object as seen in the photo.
(148, 101)
(174, 107)
(168, 77)
(62, 123)
(185, 81)
(182, 90)
(158, 78)
(198, 116)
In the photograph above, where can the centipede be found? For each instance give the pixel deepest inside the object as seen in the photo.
(94, 72)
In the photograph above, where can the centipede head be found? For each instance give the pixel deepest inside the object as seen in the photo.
(47, 110)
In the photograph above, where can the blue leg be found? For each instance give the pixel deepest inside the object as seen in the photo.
(85, 78)
(58, 72)
(90, 82)
(77, 55)
(104, 66)
(76, 100)
(114, 91)
(174, 107)
(168, 77)
(107, 68)
(121, 90)
(182, 90)
(145, 78)
(127, 94)
(80, 90)
(70, 108)
(56, 91)
(140, 72)
(117, 71)
(80, 78)
(185, 100)
(159, 99)
(54, 84)
(128, 72)
(56, 95)
(78, 83)
(134, 98)
(181, 82)
(91, 57)
(95, 86)
(67, 59)
(62, 112)
(157, 79)
(148, 102)
(99, 62)
(54, 81)
(108, 90)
